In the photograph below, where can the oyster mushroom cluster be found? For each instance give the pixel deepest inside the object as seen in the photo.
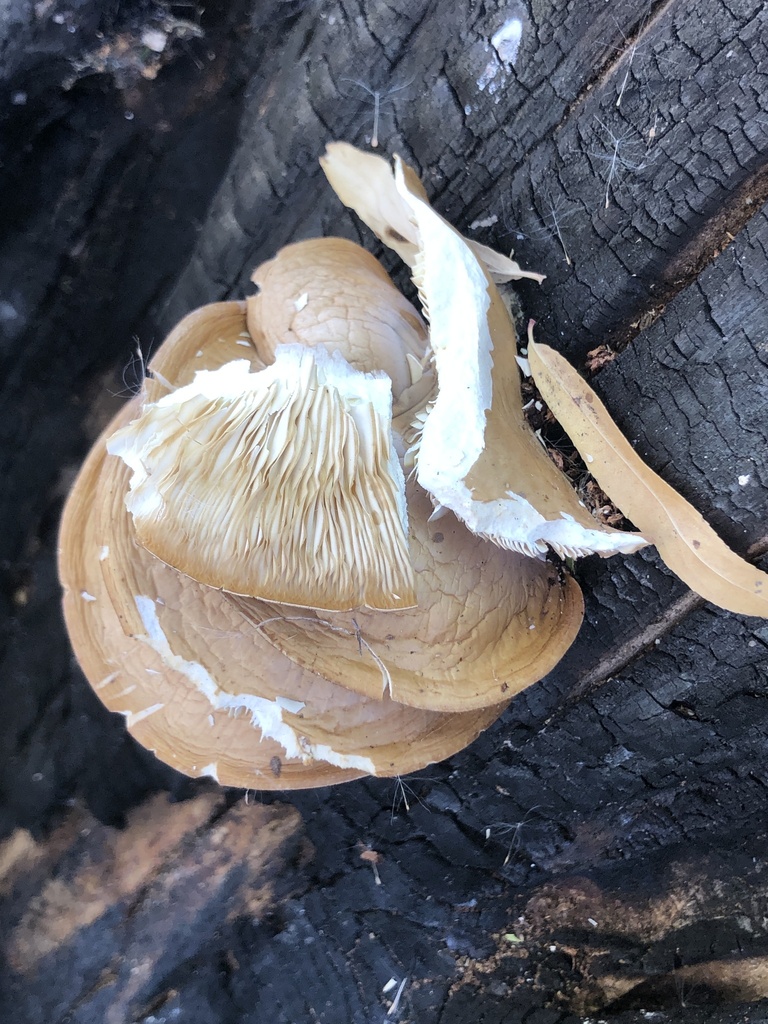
(313, 547)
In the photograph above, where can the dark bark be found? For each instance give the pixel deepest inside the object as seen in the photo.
(101, 916)
(680, 163)
(627, 789)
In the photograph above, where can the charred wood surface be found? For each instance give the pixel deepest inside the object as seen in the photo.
(104, 915)
(601, 849)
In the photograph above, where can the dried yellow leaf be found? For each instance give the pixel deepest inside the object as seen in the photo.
(685, 541)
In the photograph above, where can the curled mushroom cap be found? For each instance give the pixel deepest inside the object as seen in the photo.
(329, 292)
(486, 465)
(364, 182)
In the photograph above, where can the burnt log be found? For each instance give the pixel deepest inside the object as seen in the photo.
(102, 914)
(601, 849)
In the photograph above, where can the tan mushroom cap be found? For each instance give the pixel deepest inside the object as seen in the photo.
(485, 465)
(487, 623)
(162, 710)
(331, 292)
(365, 183)
(178, 659)
(512, 492)
(205, 339)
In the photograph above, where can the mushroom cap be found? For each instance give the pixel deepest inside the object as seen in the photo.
(281, 484)
(331, 292)
(489, 467)
(197, 682)
(205, 339)
(163, 710)
(487, 623)
(365, 183)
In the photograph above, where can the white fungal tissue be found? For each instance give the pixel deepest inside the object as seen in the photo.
(506, 41)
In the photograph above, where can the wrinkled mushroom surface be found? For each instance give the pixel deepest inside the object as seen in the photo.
(487, 623)
(203, 688)
(331, 293)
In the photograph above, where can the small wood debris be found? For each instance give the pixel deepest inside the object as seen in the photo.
(601, 506)
(599, 357)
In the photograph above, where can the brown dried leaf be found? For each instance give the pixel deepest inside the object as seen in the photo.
(686, 542)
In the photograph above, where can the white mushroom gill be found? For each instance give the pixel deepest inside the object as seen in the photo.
(282, 484)
(266, 715)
